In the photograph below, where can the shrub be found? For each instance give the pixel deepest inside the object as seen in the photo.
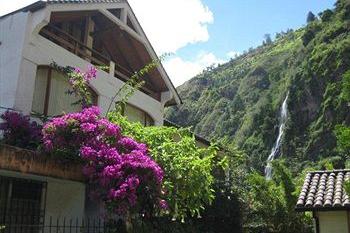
(188, 169)
(119, 169)
(19, 130)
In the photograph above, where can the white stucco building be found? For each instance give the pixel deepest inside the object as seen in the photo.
(70, 33)
(323, 194)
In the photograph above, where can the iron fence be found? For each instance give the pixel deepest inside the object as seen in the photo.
(56, 225)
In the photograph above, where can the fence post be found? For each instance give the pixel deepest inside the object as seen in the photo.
(128, 222)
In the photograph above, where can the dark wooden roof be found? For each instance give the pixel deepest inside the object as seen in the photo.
(324, 190)
(84, 1)
(143, 57)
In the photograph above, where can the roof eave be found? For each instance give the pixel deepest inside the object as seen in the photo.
(332, 208)
(32, 8)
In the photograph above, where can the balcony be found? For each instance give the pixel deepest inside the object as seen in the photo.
(97, 39)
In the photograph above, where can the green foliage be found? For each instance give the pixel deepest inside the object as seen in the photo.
(343, 139)
(240, 100)
(347, 187)
(326, 15)
(346, 86)
(133, 83)
(272, 203)
(188, 178)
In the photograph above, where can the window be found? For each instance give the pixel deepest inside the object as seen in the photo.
(135, 114)
(50, 93)
(22, 204)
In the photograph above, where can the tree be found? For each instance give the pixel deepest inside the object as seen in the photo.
(326, 15)
(310, 17)
(268, 39)
(272, 203)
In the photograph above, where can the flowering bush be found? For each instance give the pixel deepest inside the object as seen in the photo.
(120, 169)
(188, 169)
(19, 130)
(80, 82)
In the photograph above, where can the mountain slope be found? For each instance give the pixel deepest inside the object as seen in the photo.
(238, 102)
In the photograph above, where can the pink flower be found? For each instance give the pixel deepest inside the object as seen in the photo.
(118, 166)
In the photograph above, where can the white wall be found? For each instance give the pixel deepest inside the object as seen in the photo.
(43, 52)
(333, 221)
(22, 50)
(64, 198)
(12, 38)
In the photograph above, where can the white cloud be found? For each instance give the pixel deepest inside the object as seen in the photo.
(180, 70)
(233, 54)
(171, 25)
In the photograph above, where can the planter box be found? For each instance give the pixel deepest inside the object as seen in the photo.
(31, 162)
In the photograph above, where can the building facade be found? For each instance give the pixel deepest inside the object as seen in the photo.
(77, 34)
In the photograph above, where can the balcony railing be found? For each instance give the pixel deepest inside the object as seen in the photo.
(65, 40)
(75, 46)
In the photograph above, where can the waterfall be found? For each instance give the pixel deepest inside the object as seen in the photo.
(277, 146)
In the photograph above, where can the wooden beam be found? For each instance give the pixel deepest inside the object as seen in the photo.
(122, 25)
(124, 15)
(144, 62)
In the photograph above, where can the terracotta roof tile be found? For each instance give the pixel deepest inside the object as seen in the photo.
(324, 190)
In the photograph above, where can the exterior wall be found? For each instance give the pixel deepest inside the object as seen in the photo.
(22, 49)
(333, 222)
(18, 70)
(12, 38)
(64, 198)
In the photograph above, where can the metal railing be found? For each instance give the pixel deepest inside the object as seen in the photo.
(57, 225)
(70, 43)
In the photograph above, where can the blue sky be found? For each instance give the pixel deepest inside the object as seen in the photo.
(202, 32)
(236, 26)
(240, 24)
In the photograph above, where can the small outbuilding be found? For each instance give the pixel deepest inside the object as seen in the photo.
(323, 194)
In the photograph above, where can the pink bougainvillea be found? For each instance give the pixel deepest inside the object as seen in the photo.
(19, 130)
(119, 168)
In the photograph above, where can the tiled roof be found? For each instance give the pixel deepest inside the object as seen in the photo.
(324, 190)
(84, 1)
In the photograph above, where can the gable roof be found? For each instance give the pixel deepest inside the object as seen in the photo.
(84, 1)
(176, 99)
(324, 190)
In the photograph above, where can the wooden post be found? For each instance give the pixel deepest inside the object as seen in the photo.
(128, 223)
(111, 68)
(89, 28)
(124, 15)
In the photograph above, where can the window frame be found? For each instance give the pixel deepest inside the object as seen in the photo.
(7, 211)
(145, 114)
(48, 87)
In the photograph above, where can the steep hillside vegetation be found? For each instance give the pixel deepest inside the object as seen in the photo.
(238, 102)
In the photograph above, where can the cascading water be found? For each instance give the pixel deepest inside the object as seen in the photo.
(277, 146)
